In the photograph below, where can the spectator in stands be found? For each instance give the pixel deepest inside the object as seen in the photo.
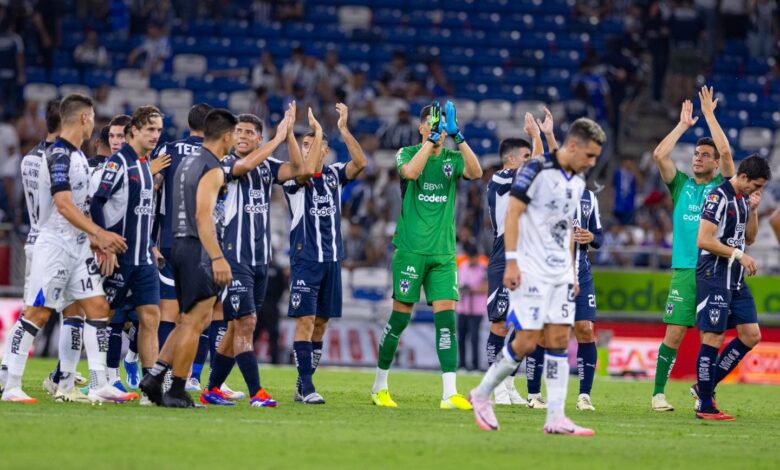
(436, 83)
(90, 53)
(657, 246)
(657, 39)
(30, 127)
(12, 76)
(360, 204)
(268, 316)
(104, 107)
(119, 18)
(360, 97)
(303, 103)
(685, 30)
(10, 161)
(616, 239)
(292, 68)
(621, 71)
(259, 105)
(625, 184)
(288, 10)
(597, 89)
(262, 11)
(312, 75)
(155, 50)
(471, 308)
(734, 19)
(337, 75)
(264, 73)
(401, 133)
(47, 19)
(708, 13)
(358, 249)
(761, 38)
(391, 195)
(396, 77)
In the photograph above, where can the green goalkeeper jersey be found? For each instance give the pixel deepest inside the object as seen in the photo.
(427, 221)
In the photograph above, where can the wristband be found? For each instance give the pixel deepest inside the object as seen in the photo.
(459, 139)
(736, 254)
(217, 258)
(511, 255)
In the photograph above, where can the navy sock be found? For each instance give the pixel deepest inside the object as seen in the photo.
(705, 371)
(729, 359)
(303, 353)
(145, 371)
(200, 355)
(114, 345)
(164, 331)
(221, 367)
(586, 365)
(132, 336)
(247, 363)
(493, 347)
(217, 331)
(534, 365)
(316, 355)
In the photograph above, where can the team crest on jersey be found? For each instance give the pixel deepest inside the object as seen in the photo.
(669, 309)
(265, 174)
(714, 315)
(559, 231)
(447, 169)
(330, 180)
(235, 302)
(585, 209)
(404, 286)
(295, 300)
(502, 305)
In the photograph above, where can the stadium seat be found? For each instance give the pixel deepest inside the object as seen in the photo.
(40, 92)
(755, 138)
(143, 97)
(131, 78)
(384, 159)
(189, 65)
(494, 110)
(176, 98)
(534, 107)
(68, 89)
(354, 17)
(508, 128)
(65, 76)
(387, 107)
(241, 101)
(489, 160)
(467, 109)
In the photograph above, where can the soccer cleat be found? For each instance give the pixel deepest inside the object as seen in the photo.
(697, 401)
(16, 395)
(80, 380)
(584, 403)
(566, 427)
(383, 399)
(132, 375)
(215, 397)
(184, 400)
(713, 414)
(152, 389)
(50, 385)
(145, 401)
(73, 396)
(297, 397)
(231, 394)
(659, 403)
(501, 395)
(110, 394)
(193, 385)
(313, 398)
(262, 400)
(167, 380)
(455, 402)
(537, 402)
(483, 413)
(515, 398)
(119, 386)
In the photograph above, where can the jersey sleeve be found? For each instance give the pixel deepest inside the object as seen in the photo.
(158, 152)
(459, 164)
(111, 180)
(59, 170)
(714, 207)
(594, 223)
(291, 186)
(403, 157)
(675, 186)
(227, 166)
(274, 165)
(526, 183)
(340, 170)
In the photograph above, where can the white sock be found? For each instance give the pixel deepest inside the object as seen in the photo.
(113, 375)
(509, 382)
(556, 378)
(449, 386)
(70, 344)
(67, 381)
(131, 356)
(96, 344)
(21, 340)
(380, 381)
(496, 373)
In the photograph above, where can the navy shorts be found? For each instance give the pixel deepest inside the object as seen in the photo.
(132, 286)
(498, 295)
(167, 285)
(315, 289)
(246, 292)
(192, 273)
(124, 315)
(719, 308)
(585, 303)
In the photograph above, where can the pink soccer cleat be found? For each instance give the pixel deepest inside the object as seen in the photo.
(483, 412)
(565, 426)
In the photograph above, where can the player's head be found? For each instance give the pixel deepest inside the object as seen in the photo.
(116, 132)
(53, 121)
(425, 127)
(583, 144)
(752, 175)
(143, 131)
(77, 114)
(308, 140)
(514, 152)
(196, 118)
(706, 158)
(103, 149)
(219, 131)
(249, 134)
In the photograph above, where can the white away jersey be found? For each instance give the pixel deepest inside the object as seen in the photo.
(31, 167)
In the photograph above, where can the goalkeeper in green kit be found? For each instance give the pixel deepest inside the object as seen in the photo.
(424, 241)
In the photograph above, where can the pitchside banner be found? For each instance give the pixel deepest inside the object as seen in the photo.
(642, 292)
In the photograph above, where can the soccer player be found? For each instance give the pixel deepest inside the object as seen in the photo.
(688, 194)
(540, 271)
(247, 247)
(64, 269)
(729, 222)
(774, 222)
(124, 204)
(109, 141)
(199, 265)
(316, 248)
(425, 246)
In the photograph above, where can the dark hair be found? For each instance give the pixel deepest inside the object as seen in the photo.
(73, 104)
(119, 120)
(709, 142)
(103, 137)
(425, 112)
(252, 119)
(142, 116)
(311, 134)
(217, 123)
(755, 167)
(196, 119)
(53, 120)
(511, 144)
(586, 130)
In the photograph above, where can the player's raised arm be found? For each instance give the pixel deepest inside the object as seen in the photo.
(751, 230)
(294, 167)
(259, 155)
(471, 168)
(432, 133)
(206, 199)
(548, 129)
(314, 156)
(358, 160)
(774, 222)
(662, 155)
(708, 105)
(712, 214)
(532, 129)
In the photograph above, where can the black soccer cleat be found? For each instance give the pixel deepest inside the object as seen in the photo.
(152, 388)
(171, 400)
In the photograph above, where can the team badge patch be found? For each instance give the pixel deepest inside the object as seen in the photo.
(714, 316)
(713, 198)
(502, 305)
(404, 286)
(265, 174)
(112, 166)
(447, 169)
(235, 302)
(669, 309)
(330, 180)
(295, 299)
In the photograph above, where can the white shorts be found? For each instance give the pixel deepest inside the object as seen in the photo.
(60, 276)
(537, 303)
(28, 253)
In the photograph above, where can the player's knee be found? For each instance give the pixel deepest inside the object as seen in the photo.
(751, 338)
(584, 332)
(674, 335)
(304, 325)
(402, 307)
(37, 316)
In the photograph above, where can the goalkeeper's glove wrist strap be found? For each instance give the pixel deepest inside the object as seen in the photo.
(459, 138)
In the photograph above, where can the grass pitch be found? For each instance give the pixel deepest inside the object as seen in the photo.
(349, 432)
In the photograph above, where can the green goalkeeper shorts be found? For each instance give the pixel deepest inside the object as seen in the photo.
(681, 302)
(437, 274)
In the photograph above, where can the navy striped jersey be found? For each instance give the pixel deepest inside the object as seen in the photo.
(247, 231)
(315, 208)
(498, 200)
(729, 211)
(178, 150)
(127, 187)
(185, 191)
(31, 166)
(588, 217)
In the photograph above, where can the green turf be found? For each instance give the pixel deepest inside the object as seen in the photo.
(349, 432)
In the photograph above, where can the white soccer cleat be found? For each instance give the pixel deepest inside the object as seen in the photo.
(566, 427)
(313, 398)
(193, 385)
(659, 403)
(584, 403)
(501, 395)
(514, 396)
(17, 395)
(231, 394)
(73, 396)
(145, 401)
(80, 380)
(537, 402)
(50, 386)
(107, 393)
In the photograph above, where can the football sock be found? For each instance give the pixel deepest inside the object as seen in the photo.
(534, 367)
(316, 355)
(55, 374)
(729, 359)
(158, 370)
(302, 351)
(504, 365)
(96, 344)
(556, 378)
(200, 355)
(392, 334)
(380, 380)
(509, 341)
(67, 381)
(705, 374)
(71, 338)
(221, 366)
(663, 367)
(4, 364)
(145, 371)
(164, 330)
(247, 363)
(217, 331)
(446, 340)
(493, 346)
(586, 365)
(114, 353)
(132, 347)
(21, 340)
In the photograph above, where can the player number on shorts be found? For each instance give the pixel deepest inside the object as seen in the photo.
(592, 300)
(86, 284)
(565, 311)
